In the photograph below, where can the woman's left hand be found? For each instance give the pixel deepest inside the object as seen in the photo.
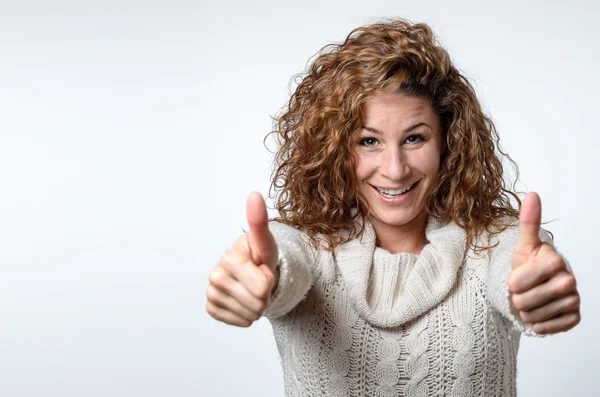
(543, 290)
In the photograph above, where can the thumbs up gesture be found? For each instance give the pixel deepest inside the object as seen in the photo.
(543, 290)
(242, 282)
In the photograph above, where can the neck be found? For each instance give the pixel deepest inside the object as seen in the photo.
(405, 238)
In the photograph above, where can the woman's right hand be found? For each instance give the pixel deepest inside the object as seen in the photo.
(243, 280)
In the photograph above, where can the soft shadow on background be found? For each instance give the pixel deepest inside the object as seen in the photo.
(131, 134)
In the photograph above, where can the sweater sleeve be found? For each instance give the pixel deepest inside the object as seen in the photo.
(498, 272)
(295, 269)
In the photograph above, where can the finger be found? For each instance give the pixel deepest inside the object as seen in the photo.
(563, 305)
(557, 287)
(223, 281)
(561, 323)
(241, 269)
(546, 264)
(225, 301)
(226, 316)
(271, 275)
(530, 217)
(260, 239)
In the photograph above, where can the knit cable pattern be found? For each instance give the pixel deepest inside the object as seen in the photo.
(361, 321)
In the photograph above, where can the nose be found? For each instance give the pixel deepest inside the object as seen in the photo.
(393, 163)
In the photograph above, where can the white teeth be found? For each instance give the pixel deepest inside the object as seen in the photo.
(397, 192)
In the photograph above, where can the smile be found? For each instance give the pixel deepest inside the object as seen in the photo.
(391, 193)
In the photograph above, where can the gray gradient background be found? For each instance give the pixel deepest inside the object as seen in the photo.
(131, 133)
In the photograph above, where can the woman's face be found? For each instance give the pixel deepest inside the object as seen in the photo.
(398, 157)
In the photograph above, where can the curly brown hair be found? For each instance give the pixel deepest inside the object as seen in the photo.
(314, 184)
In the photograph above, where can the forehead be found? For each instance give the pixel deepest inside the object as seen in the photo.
(397, 109)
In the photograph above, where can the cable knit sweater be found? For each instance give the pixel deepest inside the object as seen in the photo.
(360, 321)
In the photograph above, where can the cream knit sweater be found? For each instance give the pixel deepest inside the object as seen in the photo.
(361, 321)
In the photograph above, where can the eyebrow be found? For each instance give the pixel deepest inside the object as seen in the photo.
(406, 131)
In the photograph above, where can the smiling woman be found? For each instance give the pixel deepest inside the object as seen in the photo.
(315, 180)
(397, 162)
(398, 265)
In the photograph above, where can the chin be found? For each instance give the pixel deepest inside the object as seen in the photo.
(397, 221)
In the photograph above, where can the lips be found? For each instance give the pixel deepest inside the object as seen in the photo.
(394, 196)
(393, 192)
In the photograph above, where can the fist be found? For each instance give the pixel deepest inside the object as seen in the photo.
(241, 283)
(543, 290)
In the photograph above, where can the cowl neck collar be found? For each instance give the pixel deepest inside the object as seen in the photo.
(388, 290)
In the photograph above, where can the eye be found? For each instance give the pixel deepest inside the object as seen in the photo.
(415, 139)
(367, 141)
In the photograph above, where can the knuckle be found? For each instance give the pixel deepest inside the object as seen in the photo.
(255, 316)
(263, 290)
(526, 316)
(512, 283)
(572, 280)
(210, 293)
(212, 310)
(270, 279)
(574, 319)
(217, 277)
(573, 302)
(262, 305)
(259, 307)
(518, 301)
(245, 323)
(214, 275)
(568, 283)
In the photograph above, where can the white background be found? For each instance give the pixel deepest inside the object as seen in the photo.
(131, 133)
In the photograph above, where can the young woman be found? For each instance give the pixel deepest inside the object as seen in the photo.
(398, 266)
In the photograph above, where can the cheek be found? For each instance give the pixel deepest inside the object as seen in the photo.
(427, 162)
(364, 166)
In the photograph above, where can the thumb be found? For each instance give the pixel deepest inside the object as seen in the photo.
(260, 240)
(530, 218)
